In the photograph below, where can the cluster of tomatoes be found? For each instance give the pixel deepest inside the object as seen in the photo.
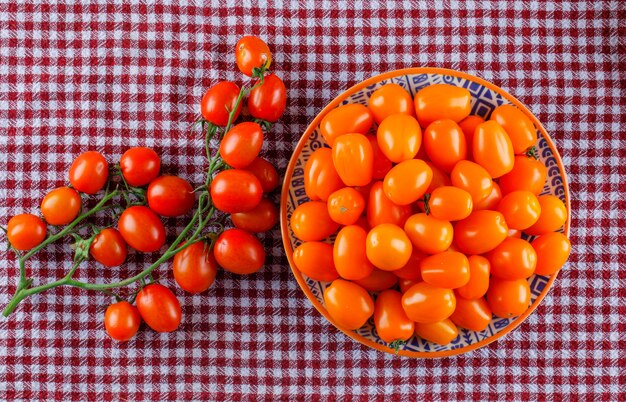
(434, 204)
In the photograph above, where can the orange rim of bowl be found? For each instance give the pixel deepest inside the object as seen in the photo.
(285, 193)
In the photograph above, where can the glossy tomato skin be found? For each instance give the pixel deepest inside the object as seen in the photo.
(508, 298)
(269, 100)
(406, 182)
(472, 178)
(468, 125)
(448, 270)
(390, 320)
(521, 209)
(345, 119)
(349, 305)
(242, 144)
(442, 101)
(513, 259)
(252, 52)
(406, 284)
(553, 215)
(25, 231)
(441, 332)
(429, 234)
(170, 196)
(194, 268)
(265, 172)
(399, 137)
(445, 145)
(378, 281)
(349, 253)
(388, 247)
(492, 200)
(390, 99)
(450, 203)
(474, 315)
(142, 229)
(440, 178)
(381, 209)
(109, 248)
(61, 206)
(517, 125)
(258, 220)
(159, 308)
(345, 206)
(89, 172)
(353, 158)
(218, 100)
(236, 190)
(425, 303)
(411, 270)
(239, 252)
(552, 252)
(320, 176)
(122, 321)
(480, 232)
(310, 221)
(315, 260)
(528, 174)
(478, 283)
(381, 163)
(492, 149)
(140, 165)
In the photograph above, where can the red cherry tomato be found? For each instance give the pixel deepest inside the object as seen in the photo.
(480, 232)
(474, 315)
(61, 206)
(141, 229)
(508, 298)
(450, 203)
(236, 190)
(170, 196)
(399, 137)
(349, 253)
(412, 268)
(258, 220)
(242, 144)
(239, 252)
(381, 164)
(390, 99)
(381, 209)
(472, 178)
(517, 125)
(218, 100)
(553, 215)
(121, 321)
(478, 284)
(388, 247)
(315, 260)
(441, 332)
(442, 101)
(311, 222)
(269, 100)
(406, 182)
(492, 200)
(429, 234)
(252, 52)
(513, 259)
(449, 270)
(378, 281)
(140, 165)
(445, 145)
(528, 174)
(320, 176)
(520, 209)
(265, 172)
(390, 320)
(492, 149)
(425, 303)
(345, 206)
(109, 248)
(348, 304)
(195, 268)
(353, 158)
(468, 125)
(89, 172)
(159, 308)
(25, 231)
(345, 119)
(552, 252)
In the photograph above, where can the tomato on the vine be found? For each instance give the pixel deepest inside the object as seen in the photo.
(406, 182)
(349, 253)
(241, 144)
(345, 119)
(121, 321)
(258, 220)
(140, 165)
(345, 206)
(517, 125)
(441, 332)
(492, 149)
(429, 234)
(390, 99)
(265, 172)
(388, 247)
(349, 305)
(170, 196)
(474, 314)
(251, 52)
(142, 229)
(26, 231)
(315, 260)
(381, 209)
(311, 222)
(61, 206)
(159, 308)
(218, 101)
(89, 172)
(399, 137)
(390, 320)
(442, 101)
(353, 158)
(239, 252)
(445, 145)
(268, 100)
(109, 248)
(195, 268)
(236, 190)
(425, 303)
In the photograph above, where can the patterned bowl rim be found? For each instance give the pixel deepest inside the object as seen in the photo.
(285, 195)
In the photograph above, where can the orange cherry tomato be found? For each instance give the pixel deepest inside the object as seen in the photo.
(345, 119)
(320, 177)
(426, 303)
(521, 209)
(353, 158)
(515, 233)
(407, 181)
(449, 270)
(442, 101)
(492, 149)
(474, 315)
(553, 215)
(513, 259)
(348, 304)
(552, 251)
(472, 178)
(310, 221)
(61, 206)
(381, 163)
(25, 231)
(362, 222)
(445, 144)
(315, 260)
(390, 99)
(349, 253)
(439, 179)
(440, 332)
(429, 234)
(390, 320)
(508, 298)
(528, 174)
(406, 284)
(517, 125)
(388, 247)
(492, 200)
(378, 280)
(381, 209)
(480, 232)
(412, 268)
(399, 137)
(468, 125)
(345, 206)
(450, 203)
(479, 270)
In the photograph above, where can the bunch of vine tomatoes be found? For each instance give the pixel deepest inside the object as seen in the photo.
(436, 212)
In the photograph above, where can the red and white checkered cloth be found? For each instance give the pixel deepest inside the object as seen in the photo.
(108, 75)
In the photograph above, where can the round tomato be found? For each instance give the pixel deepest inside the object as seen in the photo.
(320, 176)
(349, 253)
(170, 196)
(348, 304)
(236, 190)
(479, 271)
(345, 119)
(520, 209)
(508, 298)
(239, 252)
(25, 231)
(258, 220)
(492, 200)
(195, 268)
(552, 251)
(121, 321)
(445, 145)
(218, 100)
(412, 268)
(474, 315)
(315, 260)
(492, 149)
(449, 270)
(450, 203)
(425, 303)
(480, 232)
(407, 181)
(61, 206)
(89, 172)
(353, 158)
(242, 144)
(441, 332)
(388, 247)
(159, 308)
(251, 53)
(429, 234)
(528, 174)
(472, 178)
(513, 259)
(381, 163)
(442, 101)
(381, 209)
(109, 248)
(517, 125)
(390, 99)
(345, 206)
(399, 137)
(265, 172)
(269, 100)
(139, 166)
(468, 125)
(311, 222)
(390, 320)
(378, 280)
(553, 215)
(141, 229)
